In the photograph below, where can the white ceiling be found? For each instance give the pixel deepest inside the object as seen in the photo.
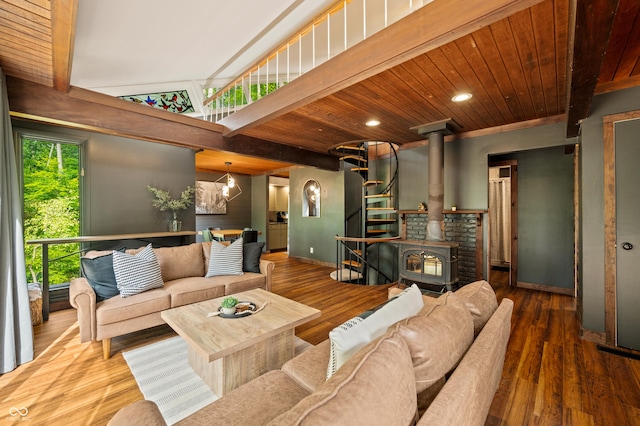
(124, 45)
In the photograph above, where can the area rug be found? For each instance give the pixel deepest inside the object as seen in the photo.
(165, 377)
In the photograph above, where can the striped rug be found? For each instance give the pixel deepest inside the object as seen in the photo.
(165, 377)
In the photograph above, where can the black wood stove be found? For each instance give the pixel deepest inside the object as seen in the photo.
(431, 265)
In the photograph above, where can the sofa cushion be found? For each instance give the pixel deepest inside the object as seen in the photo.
(118, 309)
(438, 338)
(349, 337)
(248, 281)
(225, 260)
(361, 392)
(181, 261)
(137, 273)
(251, 253)
(206, 252)
(185, 291)
(481, 301)
(97, 268)
(252, 404)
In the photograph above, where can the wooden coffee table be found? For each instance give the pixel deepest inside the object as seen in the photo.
(228, 352)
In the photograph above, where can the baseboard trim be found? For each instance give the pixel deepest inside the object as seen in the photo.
(627, 353)
(313, 261)
(593, 336)
(547, 288)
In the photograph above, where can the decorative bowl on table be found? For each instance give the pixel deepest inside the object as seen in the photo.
(241, 309)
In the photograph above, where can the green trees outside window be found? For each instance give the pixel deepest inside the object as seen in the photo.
(51, 191)
(235, 96)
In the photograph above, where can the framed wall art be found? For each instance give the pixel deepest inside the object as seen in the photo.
(209, 198)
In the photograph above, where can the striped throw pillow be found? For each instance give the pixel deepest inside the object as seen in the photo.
(351, 336)
(137, 273)
(225, 260)
(333, 355)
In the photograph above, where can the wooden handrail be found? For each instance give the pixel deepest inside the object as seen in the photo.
(367, 240)
(45, 242)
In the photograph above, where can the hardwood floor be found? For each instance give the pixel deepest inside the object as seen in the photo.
(550, 375)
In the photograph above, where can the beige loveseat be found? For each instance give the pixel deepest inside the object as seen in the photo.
(183, 272)
(439, 367)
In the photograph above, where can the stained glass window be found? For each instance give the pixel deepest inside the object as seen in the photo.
(174, 101)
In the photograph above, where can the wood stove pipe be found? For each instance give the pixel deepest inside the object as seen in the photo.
(435, 202)
(435, 133)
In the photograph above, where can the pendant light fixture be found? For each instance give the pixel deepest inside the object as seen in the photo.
(230, 188)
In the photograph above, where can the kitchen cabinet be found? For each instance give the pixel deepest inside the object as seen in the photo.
(278, 198)
(278, 236)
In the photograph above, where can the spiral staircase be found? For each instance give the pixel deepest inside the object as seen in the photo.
(364, 255)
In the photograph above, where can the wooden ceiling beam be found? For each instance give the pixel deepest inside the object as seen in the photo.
(63, 34)
(590, 24)
(430, 27)
(96, 112)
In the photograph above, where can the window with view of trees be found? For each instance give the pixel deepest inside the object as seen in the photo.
(51, 188)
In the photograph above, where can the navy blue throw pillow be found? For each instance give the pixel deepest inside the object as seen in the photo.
(99, 272)
(251, 253)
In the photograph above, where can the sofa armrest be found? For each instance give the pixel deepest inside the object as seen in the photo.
(254, 403)
(139, 413)
(466, 397)
(266, 268)
(309, 368)
(83, 298)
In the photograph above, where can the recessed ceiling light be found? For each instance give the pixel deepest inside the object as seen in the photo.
(461, 97)
(372, 123)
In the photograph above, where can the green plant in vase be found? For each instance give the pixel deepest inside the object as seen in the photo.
(228, 305)
(164, 202)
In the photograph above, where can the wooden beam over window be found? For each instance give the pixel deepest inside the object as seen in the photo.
(96, 112)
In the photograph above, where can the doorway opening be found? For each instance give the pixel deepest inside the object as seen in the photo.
(503, 221)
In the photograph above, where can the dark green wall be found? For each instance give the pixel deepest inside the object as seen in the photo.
(260, 205)
(238, 210)
(413, 177)
(316, 232)
(545, 216)
(466, 181)
(592, 259)
(117, 172)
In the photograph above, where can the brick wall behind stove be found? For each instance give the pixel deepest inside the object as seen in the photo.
(459, 228)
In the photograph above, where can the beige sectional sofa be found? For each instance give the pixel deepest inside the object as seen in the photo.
(183, 272)
(439, 367)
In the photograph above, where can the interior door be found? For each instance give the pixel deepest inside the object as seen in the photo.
(627, 171)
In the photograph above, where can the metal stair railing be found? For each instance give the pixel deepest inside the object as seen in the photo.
(346, 255)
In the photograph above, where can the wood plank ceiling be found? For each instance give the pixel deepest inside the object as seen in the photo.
(516, 69)
(26, 47)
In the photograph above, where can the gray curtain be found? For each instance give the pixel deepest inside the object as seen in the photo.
(16, 334)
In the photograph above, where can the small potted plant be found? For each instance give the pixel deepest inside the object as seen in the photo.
(228, 305)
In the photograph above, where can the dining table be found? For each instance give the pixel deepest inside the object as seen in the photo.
(225, 234)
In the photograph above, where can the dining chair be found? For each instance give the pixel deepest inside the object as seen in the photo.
(249, 236)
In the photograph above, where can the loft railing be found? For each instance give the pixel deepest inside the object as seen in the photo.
(345, 24)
